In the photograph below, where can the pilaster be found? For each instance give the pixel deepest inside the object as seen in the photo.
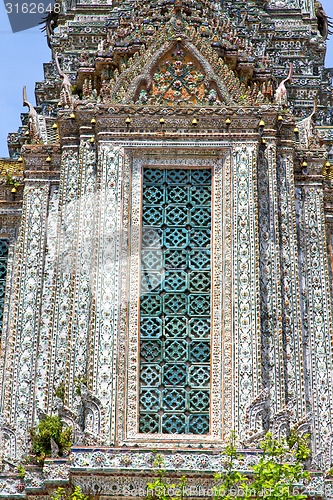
(246, 302)
(290, 290)
(104, 327)
(22, 342)
(62, 278)
(270, 293)
(319, 315)
(82, 270)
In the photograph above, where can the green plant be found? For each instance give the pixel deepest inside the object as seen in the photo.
(60, 391)
(62, 494)
(231, 480)
(78, 381)
(279, 474)
(161, 489)
(280, 470)
(71, 492)
(50, 427)
(10, 181)
(21, 471)
(300, 444)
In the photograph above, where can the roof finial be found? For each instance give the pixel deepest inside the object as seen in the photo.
(178, 7)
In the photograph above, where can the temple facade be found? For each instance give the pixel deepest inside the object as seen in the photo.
(166, 232)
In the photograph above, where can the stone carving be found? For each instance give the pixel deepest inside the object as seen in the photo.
(270, 300)
(66, 97)
(318, 301)
(8, 439)
(254, 419)
(279, 423)
(89, 416)
(291, 307)
(246, 328)
(51, 23)
(85, 420)
(281, 97)
(323, 20)
(24, 320)
(306, 129)
(33, 122)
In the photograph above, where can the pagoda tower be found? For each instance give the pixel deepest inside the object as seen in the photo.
(166, 227)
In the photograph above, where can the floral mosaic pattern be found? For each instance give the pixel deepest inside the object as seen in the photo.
(175, 302)
(179, 79)
(319, 324)
(4, 243)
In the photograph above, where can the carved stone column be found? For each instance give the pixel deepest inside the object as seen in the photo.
(54, 368)
(104, 323)
(83, 267)
(270, 293)
(22, 341)
(290, 289)
(319, 314)
(245, 300)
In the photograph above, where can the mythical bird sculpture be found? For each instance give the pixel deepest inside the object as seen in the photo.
(51, 22)
(66, 96)
(281, 91)
(323, 21)
(33, 123)
(306, 128)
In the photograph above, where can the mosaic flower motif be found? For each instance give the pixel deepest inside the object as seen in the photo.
(99, 458)
(20, 487)
(178, 461)
(202, 461)
(178, 79)
(126, 461)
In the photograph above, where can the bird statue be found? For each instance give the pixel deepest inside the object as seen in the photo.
(66, 96)
(33, 123)
(323, 21)
(50, 22)
(281, 91)
(306, 127)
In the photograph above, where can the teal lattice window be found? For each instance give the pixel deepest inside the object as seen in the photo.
(4, 244)
(175, 301)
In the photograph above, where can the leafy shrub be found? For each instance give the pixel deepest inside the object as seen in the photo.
(60, 391)
(279, 474)
(21, 471)
(162, 488)
(61, 494)
(50, 427)
(72, 492)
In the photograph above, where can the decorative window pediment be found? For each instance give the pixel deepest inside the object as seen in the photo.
(178, 78)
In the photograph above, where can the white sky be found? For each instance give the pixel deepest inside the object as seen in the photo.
(21, 63)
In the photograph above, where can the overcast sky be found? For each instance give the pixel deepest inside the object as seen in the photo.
(21, 63)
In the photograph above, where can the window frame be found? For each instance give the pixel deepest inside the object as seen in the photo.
(180, 167)
(218, 159)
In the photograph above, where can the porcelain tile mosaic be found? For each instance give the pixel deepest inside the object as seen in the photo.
(175, 301)
(166, 244)
(4, 244)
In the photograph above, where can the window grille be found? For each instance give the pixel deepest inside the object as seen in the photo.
(175, 300)
(4, 244)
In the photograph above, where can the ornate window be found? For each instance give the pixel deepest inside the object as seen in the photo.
(4, 244)
(175, 303)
